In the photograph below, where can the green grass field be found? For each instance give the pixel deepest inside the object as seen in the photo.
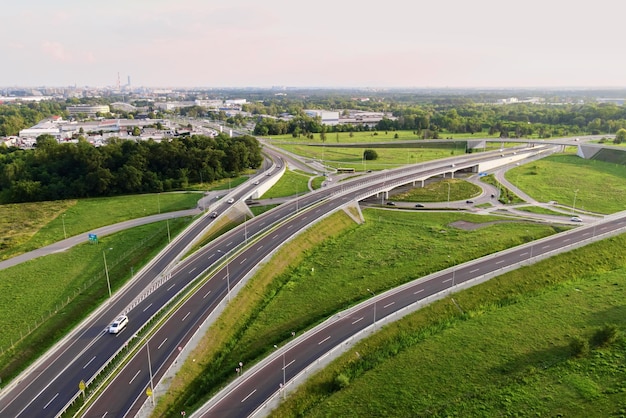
(290, 184)
(28, 226)
(601, 186)
(387, 157)
(438, 192)
(374, 136)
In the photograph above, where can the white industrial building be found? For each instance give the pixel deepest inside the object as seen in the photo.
(327, 117)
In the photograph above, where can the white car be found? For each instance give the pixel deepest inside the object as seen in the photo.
(119, 324)
(231, 200)
(575, 219)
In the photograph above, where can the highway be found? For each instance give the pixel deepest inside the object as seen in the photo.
(175, 333)
(248, 394)
(54, 380)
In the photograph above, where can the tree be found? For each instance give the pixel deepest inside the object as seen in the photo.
(620, 136)
(370, 155)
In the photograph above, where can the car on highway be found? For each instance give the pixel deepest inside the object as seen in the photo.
(214, 215)
(231, 200)
(469, 201)
(256, 183)
(119, 324)
(391, 203)
(575, 219)
(419, 205)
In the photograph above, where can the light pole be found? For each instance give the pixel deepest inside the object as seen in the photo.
(106, 271)
(374, 295)
(283, 385)
(169, 239)
(245, 227)
(448, 183)
(63, 220)
(574, 205)
(150, 370)
(227, 274)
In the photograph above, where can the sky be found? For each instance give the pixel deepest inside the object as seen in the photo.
(321, 43)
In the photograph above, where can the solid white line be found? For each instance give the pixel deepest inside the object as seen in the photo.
(324, 340)
(185, 317)
(474, 271)
(207, 294)
(389, 304)
(50, 401)
(105, 414)
(89, 362)
(136, 374)
(419, 291)
(243, 261)
(361, 318)
(171, 286)
(288, 364)
(251, 393)
(161, 345)
(192, 270)
(147, 307)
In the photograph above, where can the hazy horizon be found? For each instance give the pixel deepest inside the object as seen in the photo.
(485, 44)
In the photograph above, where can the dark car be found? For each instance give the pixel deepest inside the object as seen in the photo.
(469, 201)
(391, 203)
(419, 205)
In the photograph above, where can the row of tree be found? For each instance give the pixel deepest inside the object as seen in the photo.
(54, 171)
(432, 121)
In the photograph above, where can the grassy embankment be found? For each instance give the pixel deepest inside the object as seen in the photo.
(435, 191)
(316, 276)
(601, 186)
(291, 183)
(28, 226)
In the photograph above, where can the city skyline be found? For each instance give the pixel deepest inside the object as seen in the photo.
(158, 43)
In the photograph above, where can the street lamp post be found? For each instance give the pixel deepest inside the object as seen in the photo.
(106, 271)
(227, 274)
(63, 220)
(150, 370)
(574, 204)
(374, 295)
(448, 183)
(284, 377)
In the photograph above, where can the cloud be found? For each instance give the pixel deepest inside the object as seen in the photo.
(56, 50)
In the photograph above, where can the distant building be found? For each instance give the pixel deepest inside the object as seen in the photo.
(88, 110)
(327, 117)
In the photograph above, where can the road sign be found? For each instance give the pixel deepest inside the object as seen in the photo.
(149, 391)
(93, 238)
(81, 385)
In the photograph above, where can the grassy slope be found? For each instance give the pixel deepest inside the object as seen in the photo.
(28, 226)
(601, 186)
(508, 354)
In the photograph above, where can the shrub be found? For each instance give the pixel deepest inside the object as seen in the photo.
(606, 335)
(579, 347)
